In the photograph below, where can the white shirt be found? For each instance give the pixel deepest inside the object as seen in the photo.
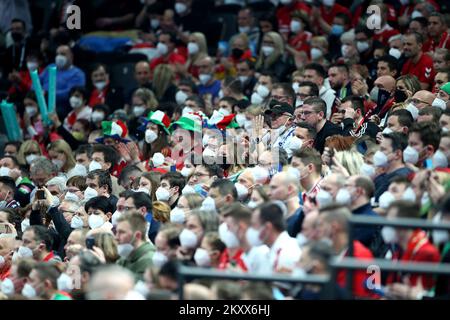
(328, 95)
(284, 253)
(256, 259)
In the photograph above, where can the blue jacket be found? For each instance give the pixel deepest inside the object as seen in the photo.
(365, 235)
(383, 180)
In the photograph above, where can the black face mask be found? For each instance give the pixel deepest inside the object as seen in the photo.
(237, 53)
(400, 96)
(383, 97)
(17, 36)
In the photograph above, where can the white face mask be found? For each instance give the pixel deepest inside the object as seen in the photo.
(97, 116)
(295, 86)
(116, 215)
(248, 125)
(345, 50)
(76, 222)
(344, 197)
(295, 143)
(58, 163)
(208, 204)
(224, 112)
(256, 98)
(94, 165)
(385, 200)
(177, 215)
(7, 287)
(31, 110)
(162, 48)
(439, 160)
(389, 235)
(413, 110)
(162, 194)
(188, 190)
(139, 110)
(301, 239)
(267, 50)
(70, 196)
(28, 291)
(186, 172)
(439, 103)
(410, 155)
(154, 23)
(32, 66)
(244, 29)
(193, 48)
(409, 195)
(263, 91)
(242, 190)
(4, 171)
(260, 174)
(240, 119)
(188, 239)
(75, 102)
(362, 46)
(24, 252)
(252, 204)
(295, 172)
(180, 8)
(100, 85)
(90, 193)
(24, 224)
(316, 53)
(367, 170)
(228, 237)
(124, 250)
(208, 153)
(64, 283)
(324, 198)
(243, 79)
(150, 136)
(159, 259)
(387, 130)
(60, 61)
(180, 97)
(416, 14)
(296, 26)
(394, 52)
(204, 78)
(95, 221)
(252, 236)
(30, 158)
(158, 159)
(202, 258)
(380, 160)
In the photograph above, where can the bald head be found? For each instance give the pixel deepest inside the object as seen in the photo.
(6, 246)
(142, 72)
(332, 183)
(423, 98)
(110, 283)
(385, 82)
(283, 186)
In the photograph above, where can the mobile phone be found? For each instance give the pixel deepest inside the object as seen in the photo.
(40, 194)
(90, 242)
(331, 152)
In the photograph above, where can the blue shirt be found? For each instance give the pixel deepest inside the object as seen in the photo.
(213, 89)
(65, 80)
(365, 235)
(294, 223)
(383, 180)
(154, 226)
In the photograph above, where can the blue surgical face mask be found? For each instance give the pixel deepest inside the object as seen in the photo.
(337, 29)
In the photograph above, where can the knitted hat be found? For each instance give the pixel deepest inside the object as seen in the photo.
(114, 129)
(157, 117)
(446, 88)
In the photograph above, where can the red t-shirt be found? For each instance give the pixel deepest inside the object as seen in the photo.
(423, 69)
(284, 15)
(384, 36)
(444, 42)
(328, 15)
(359, 277)
(98, 97)
(173, 58)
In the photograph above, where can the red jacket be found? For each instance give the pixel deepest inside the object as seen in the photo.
(359, 277)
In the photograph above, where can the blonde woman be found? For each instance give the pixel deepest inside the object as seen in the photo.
(271, 55)
(29, 151)
(197, 50)
(347, 163)
(143, 101)
(106, 242)
(61, 155)
(161, 211)
(408, 85)
(163, 83)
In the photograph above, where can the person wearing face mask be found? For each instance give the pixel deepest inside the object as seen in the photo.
(365, 44)
(352, 112)
(324, 14)
(390, 158)
(423, 141)
(281, 124)
(284, 187)
(99, 183)
(333, 227)
(6, 248)
(441, 157)
(246, 74)
(268, 227)
(167, 51)
(270, 58)
(9, 166)
(99, 211)
(136, 253)
(167, 243)
(103, 92)
(307, 165)
(329, 188)
(170, 188)
(18, 277)
(156, 126)
(197, 50)
(78, 104)
(7, 192)
(67, 77)
(240, 252)
(21, 80)
(208, 84)
(43, 280)
(246, 24)
(300, 38)
(414, 243)
(210, 252)
(37, 243)
(142, 203)
(223, 193)
(361, 190)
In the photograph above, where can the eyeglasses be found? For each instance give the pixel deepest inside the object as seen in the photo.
(127, 208)
(306, 113)
(416, 101)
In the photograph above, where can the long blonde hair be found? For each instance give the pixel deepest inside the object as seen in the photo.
(147, 96)
(162, 78)
(267, 62)
(351, 160)
(62, 146)
(200, 39)
(26, 146)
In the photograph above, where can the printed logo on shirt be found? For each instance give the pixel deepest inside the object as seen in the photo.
(427, 72)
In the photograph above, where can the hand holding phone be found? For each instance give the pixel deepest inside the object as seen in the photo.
(40, 194)
(90, 242)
